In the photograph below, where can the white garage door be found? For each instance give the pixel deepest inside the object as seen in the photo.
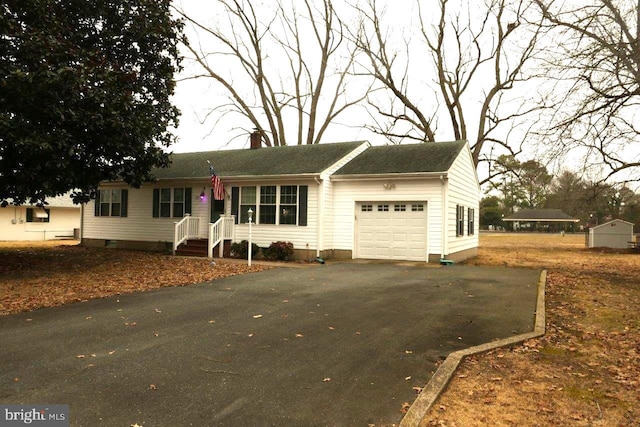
(391, 230)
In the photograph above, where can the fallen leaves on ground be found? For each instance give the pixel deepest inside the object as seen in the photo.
(585, 370)
(35, 277)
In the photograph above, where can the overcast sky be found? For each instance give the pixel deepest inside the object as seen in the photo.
(199, 132)
(196, 97)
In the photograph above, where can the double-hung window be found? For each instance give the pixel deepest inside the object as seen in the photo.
(470, 222)
(271, 204)
(165, 202)
(459, 220)
(288, 204)
(111, 202)
(171, 202)
(248, 201)
(268, 205)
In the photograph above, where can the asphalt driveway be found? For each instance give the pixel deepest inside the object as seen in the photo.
(340, 344)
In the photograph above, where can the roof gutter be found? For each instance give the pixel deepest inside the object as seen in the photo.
(540, 220)
(225, 178)
(398, 175)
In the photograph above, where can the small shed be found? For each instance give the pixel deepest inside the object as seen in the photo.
(612, 234)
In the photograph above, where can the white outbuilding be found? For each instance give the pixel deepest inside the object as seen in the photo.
(59, 219)
(612, 234)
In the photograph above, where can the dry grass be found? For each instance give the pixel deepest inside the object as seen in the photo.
(45, 274)
(585, 371)
(36, 245)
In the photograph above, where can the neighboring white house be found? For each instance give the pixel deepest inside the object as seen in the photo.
(612, 234)
(346, 200)
(59, 219)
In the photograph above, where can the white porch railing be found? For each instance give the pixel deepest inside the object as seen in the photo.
(220, 230)
(187, 228)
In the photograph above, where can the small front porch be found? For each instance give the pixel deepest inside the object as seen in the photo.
(188, 240)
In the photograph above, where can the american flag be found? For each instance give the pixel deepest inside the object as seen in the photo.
(216, 184)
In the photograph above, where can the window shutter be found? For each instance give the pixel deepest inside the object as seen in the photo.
(235, 203)
(302, 208)
(124, 200)
(48, 218)
(187, 200)
(96, 206)
(156, 202)
(29, 215)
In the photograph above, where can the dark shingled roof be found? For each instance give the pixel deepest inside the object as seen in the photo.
(548, 215)
(265, 161)
(407, 158)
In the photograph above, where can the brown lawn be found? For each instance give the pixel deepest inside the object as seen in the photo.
(45, 274)
(585, 371)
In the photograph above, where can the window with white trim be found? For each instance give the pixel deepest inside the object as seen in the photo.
(288, 204)
(459, 220)
(171, 202)
(366, 208)
(248, 201)
(268, 205)
(112, 202)
(470, 222)
(383, 208)
(400, 208)
(277, 205)
(417, 208)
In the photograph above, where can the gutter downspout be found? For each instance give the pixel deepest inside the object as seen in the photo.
(320, 229)
(82, 206)
(444, 222)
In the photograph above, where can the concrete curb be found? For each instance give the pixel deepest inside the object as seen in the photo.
(441, 378)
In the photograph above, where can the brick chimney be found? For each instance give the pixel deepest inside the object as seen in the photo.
(256, 139)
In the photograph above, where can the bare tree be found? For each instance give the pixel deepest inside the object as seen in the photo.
(597, 66)
(474, 64)
(278, 65)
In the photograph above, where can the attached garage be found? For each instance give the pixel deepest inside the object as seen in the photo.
(416, 202)
(391, 230)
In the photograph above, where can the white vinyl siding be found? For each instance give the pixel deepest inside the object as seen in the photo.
(426, 191)
(140, 225)
(462, 190)
(264, 234)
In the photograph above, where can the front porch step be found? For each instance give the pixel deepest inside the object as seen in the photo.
(193, 247)
(198, 247)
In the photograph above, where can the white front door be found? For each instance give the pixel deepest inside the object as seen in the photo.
(391, 230)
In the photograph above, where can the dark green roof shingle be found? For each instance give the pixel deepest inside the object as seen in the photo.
(407, 158)
(539, 215)
(284, 160)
